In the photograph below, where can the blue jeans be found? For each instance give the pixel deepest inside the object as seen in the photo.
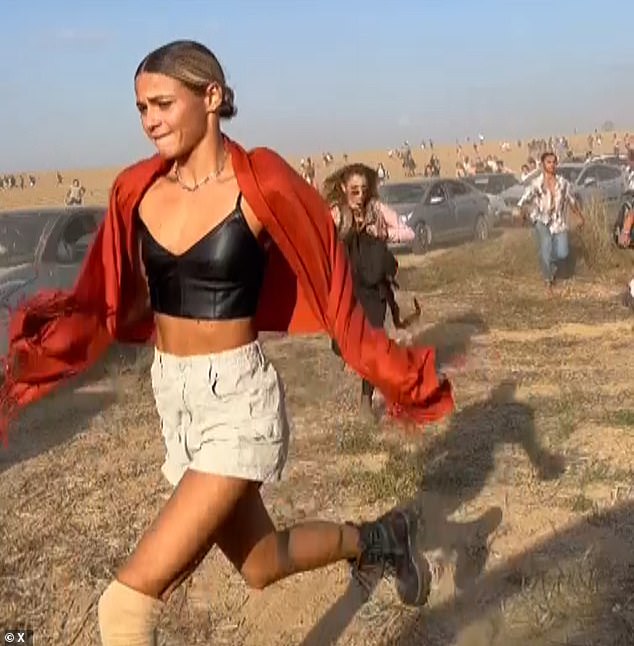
(552, 247)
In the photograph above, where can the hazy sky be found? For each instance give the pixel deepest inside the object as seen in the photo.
(312, 75)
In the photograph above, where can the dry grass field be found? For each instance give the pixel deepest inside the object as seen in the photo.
(527, 491)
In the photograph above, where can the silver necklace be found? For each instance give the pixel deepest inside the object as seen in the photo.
(213, 175)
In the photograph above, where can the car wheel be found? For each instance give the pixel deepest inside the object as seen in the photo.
(481, 232)
(422, 241)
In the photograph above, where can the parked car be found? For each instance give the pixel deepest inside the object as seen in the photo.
(492, 185)
(614, 160)
(598, 181)
(511, 195)
(439, 210)
(41, 249)
(403, 197)
(595, 181)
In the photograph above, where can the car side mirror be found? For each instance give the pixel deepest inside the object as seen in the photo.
(437, 199)
(590, 181)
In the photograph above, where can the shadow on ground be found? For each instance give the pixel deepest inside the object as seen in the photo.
(576, 587)
(453, 468)
(453, 336)
(68, 411)
(456, 466)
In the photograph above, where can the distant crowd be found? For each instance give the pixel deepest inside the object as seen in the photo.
(9, 182)
(542, 154)
(21, 181)
(470, 160)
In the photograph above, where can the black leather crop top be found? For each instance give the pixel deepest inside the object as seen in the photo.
(218, 277)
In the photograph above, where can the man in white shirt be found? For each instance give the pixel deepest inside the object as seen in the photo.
(546, 199)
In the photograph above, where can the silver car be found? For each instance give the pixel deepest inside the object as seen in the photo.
(41, 249)
(439, 210)
(512, 195)
(493, 185)
(595, 181)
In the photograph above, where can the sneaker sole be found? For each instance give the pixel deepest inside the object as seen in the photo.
(420, 565)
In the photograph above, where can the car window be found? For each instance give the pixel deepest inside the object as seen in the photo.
(482, 183)
(571, 173)
(506, 181)
(605, 173)
(591, 172)
(76, 238)
(436, 194)
(20, 235)
(456, 189)
(410, 193)
(495, 185)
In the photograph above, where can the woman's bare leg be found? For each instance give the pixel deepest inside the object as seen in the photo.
(182, 533)
(130, 607)
(264, 555)
(206, 508)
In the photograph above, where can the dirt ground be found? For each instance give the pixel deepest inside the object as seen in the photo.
(526, 492)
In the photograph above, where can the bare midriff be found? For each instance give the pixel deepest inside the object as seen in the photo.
(187, 337)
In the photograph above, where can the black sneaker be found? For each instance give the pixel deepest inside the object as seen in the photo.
(389, 544)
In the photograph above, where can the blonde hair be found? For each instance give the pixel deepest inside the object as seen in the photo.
(194, 66)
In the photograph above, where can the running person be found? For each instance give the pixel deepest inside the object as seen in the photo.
(184, 252)
(352, 193)
(546, 201)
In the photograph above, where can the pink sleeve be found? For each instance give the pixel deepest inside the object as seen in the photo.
(397, 230)
(389, 215)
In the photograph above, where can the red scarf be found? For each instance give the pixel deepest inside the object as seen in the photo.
(307, 288)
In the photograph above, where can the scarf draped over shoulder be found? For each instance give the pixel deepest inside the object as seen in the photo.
(307, 289)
